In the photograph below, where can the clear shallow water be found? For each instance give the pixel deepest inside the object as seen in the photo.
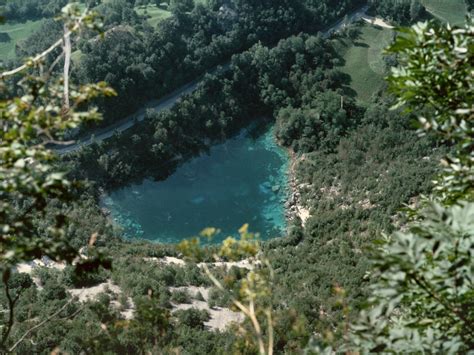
(241, 181)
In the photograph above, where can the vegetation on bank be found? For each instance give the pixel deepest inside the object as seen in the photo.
(357, 165)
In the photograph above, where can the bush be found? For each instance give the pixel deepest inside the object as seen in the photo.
(193, 318)
(180, 297)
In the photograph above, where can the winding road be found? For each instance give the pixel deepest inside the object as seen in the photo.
(171, 99)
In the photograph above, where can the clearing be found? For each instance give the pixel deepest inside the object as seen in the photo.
(16, 31)
(452, 11)
(364, 59)
(154, 13)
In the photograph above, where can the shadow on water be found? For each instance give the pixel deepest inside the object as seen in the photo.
(259, 128)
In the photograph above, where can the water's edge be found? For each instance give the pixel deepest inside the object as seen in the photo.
(258, 165)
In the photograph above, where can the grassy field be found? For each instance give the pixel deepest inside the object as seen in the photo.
(17, 32)
(154, 13)
(363, 59)
(452, 11)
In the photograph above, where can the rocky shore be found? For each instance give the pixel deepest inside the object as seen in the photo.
(294, 205)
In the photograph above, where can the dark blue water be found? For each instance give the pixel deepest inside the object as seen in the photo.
(241, 181)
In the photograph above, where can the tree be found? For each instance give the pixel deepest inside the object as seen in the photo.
(30, 182)
(181, 6)
(423, 295)
(254, 291)
(399, 11)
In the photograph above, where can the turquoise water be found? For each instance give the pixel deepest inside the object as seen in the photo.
(241, 181)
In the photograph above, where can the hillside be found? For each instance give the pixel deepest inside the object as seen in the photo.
(254, 177)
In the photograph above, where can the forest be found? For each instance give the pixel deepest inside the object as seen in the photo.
(365, 170)
(158, 61)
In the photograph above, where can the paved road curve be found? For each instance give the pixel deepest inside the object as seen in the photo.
(171, 99)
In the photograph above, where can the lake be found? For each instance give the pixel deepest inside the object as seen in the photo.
(241, 181)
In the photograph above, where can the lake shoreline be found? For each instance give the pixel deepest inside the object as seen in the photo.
(293, 204)
(242, 180)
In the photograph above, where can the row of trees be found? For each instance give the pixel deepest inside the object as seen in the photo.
(143, 63)
(298, 72)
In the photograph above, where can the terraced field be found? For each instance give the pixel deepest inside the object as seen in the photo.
(364, 60)
(452, 11)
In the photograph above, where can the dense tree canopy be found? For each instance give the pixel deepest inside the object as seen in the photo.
(190, 42)
(21, 10)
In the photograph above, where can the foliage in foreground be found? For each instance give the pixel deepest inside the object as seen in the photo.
(423, 297)
(29, 181)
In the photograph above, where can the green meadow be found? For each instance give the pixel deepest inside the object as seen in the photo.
(364, 59)
(452, 11)
(154, 13)
(16, 32)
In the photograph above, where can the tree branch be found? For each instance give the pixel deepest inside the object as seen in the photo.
(41, 324)
(249, 312)
(67, 63)
(42, 55)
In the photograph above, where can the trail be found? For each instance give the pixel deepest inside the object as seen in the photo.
(171, 99)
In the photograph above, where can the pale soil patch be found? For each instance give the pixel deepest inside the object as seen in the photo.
(331, 192)
(91, 293)
(377, 21)
(28, 268)
(295, 203)
(83, 294)
(242, 264)
(220, 318)
(303, 213)
(167, 260)
(366, 204)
